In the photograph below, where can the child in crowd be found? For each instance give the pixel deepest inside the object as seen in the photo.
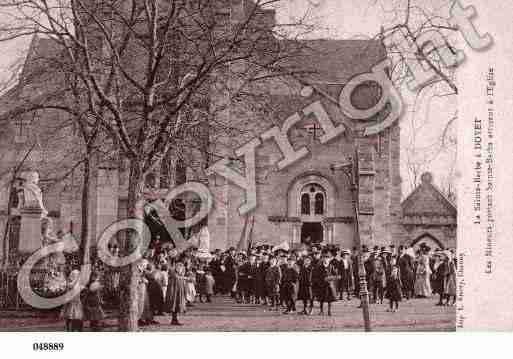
(394, 291)
(379, 279)
(209, 285)
(93, 302)
(305, 286)
(73, 311)
(201, 284)
(206, 284)
(272, 282)
(289, 283)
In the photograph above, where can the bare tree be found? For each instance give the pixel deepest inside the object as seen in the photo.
(418, 35)
(142, 67)
(46, 86)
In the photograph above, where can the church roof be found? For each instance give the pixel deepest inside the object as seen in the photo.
(331, 61)
(35, 75)
(327, 62)
(42, 54)
(428, 200)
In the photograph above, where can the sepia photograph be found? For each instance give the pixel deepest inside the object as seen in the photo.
(233, 165)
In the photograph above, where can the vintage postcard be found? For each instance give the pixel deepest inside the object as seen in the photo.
(255, 165)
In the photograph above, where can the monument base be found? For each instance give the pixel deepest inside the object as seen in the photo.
(30, 230)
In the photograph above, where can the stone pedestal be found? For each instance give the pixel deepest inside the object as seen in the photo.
(30, 230)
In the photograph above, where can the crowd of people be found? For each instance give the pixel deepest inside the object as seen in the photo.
(278, 279)
(171, 283)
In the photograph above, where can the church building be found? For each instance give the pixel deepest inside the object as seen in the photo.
(309, 200)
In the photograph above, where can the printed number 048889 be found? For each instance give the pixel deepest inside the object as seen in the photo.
(47, 346)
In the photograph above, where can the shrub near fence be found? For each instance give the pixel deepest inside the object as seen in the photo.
(9, 296)
(11, 300)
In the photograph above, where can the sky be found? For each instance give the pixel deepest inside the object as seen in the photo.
(342, 19)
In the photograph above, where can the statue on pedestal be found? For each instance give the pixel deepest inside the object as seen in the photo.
(33, 196)
(203, 240)
(36, 232)
(31, 211)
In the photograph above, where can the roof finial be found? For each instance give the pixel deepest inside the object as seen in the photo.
(426, 177)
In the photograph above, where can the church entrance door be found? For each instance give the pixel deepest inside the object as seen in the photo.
(311, 233)
(311, 200)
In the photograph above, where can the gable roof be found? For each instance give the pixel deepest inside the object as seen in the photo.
(428, 200)
(36, 81)
(336, 61)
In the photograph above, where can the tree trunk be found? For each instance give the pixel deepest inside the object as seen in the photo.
(5, 250)
(128, 313)
(85, 240)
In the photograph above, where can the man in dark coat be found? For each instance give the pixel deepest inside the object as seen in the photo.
(317, 279)
(305, 285)
(289, 284)
(439, 271)
(155, 294)
(252, 272)
(405, 264)
(230, 272)
(328, 275)
(260, 290)
(215, 268)
(244, 279)
(346, 275)
(356, 276)
(272, 282)
(282, 262)
(369, 274)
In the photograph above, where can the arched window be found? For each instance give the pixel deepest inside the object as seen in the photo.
(319, 203)
(305, 203)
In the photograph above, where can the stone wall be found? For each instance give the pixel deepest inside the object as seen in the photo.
(426, 212)
(445, 235)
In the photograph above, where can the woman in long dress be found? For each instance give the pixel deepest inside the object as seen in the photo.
(73, 311)
(329, 277)
(145, 313)
(191, 288)
(93, 302)
(422, 277)
(175, 296)
(438, 276)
